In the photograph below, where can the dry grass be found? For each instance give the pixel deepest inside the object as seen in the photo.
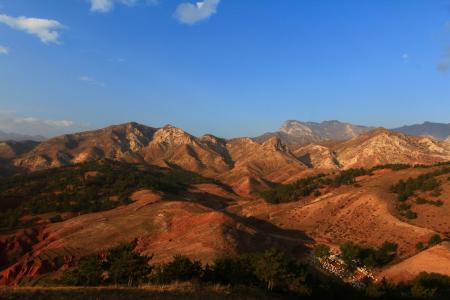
(154, 292)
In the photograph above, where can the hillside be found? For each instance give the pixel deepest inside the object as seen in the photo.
(181, 213)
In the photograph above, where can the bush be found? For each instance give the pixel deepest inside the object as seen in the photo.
(88, 273)
(321, 251)
(121, 266)
(434, 240)
(430, 286)
(410, 215)
(404, 206)
(180, 269)
(231, 270)
(421, 201)
(355, 255)
(127, 267)
(277, 271)
(420, 246)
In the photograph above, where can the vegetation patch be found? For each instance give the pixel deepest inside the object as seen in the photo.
(272, 272)
(69, 189)
(406, 189)
(311, 186)
(297, 190)
(355, 255)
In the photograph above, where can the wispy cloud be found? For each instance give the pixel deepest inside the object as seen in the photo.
(91, 80)
(11, 123)
(46, 30)
(4, 50)
(190, 13)
(104, 6)
(444, 64)
(405, 57)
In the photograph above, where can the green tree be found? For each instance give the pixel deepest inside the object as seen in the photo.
(272, 268)
(181, 268)
(124, 266)
(321, 251)
(88, 273)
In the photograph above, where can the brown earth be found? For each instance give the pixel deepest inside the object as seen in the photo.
(433, 260)
(210, 220)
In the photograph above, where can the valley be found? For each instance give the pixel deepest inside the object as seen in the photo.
(206, 198)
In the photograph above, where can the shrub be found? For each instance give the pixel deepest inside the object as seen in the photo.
(88, 273)
(404, 206)
(121, 266)
(410, 215)
(321, 251)
(277, 271)
(421, 201)
(180, 269)
(420, 246)
(231, 270)
(354, 255)
(127, 267)
(430, 286)
(434, 240)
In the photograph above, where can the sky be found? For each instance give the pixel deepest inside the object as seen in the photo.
(226, 67)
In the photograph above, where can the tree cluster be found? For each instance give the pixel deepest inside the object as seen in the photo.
(297, 190)
(73, 189)
(120, 266)
(355, 255)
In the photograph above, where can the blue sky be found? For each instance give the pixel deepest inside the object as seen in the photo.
(226, 67)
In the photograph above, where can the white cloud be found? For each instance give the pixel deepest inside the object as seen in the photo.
(11, 123)
(190, 13)
(44, 29)
(4, 50)
(103, 6)
(91, 80)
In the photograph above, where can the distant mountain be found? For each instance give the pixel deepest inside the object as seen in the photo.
(296, 132)
(20, 137)
(439, 131)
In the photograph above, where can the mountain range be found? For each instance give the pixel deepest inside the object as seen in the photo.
(248, 165)
(297, 132)
(4, 136)
(439, 131)
(175, 193)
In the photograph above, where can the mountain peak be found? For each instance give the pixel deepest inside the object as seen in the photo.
(170, 134)
(298, 132)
